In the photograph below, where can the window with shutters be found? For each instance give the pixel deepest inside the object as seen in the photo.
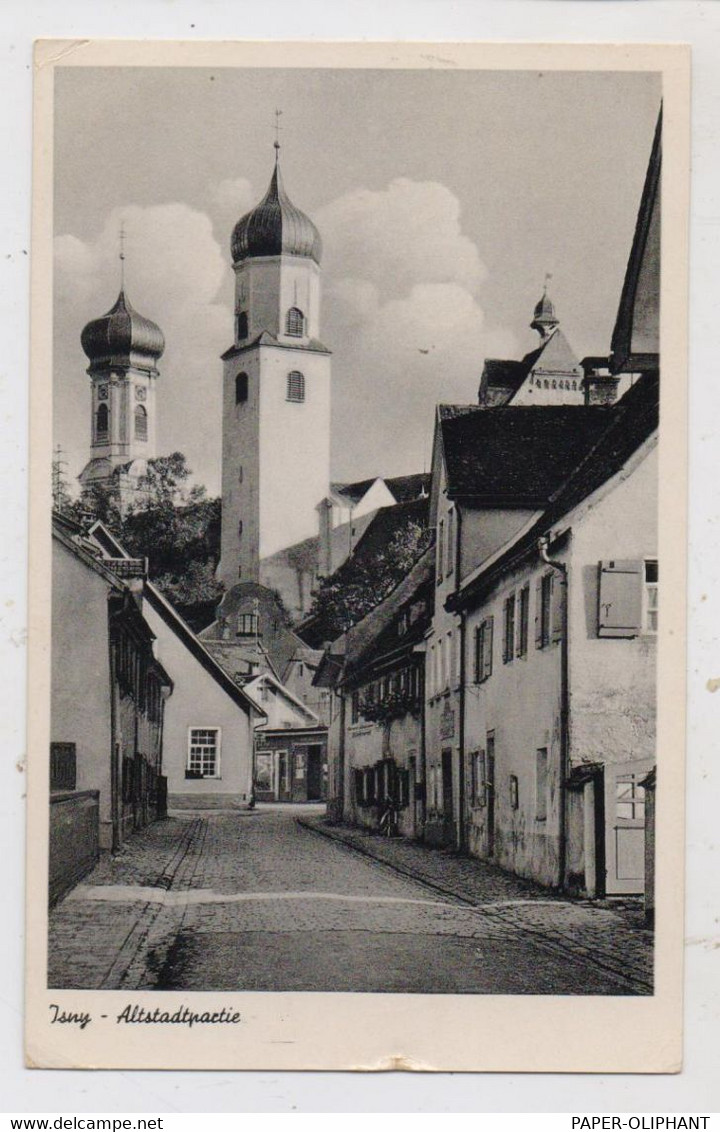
(295, 386)
(541, 783)
(514, 792)
(450, 549)
(509, 629)
(650, 597)
(477, 771)
(621, 596)
(241, 388)
(523, 619)
(483, 650)
(543, 610)
(295, 323)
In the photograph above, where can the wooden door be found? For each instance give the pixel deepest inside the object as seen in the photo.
(625, 827)
(314, 774)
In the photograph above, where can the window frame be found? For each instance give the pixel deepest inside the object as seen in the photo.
(293, 328)
(197, 727)
(509, 625)
(483, 648)
(242, 387)
(295, 396)
(140, 413)
(523, 620)
(244, 618)
(542, 757)
(649, 587)
(102, 434)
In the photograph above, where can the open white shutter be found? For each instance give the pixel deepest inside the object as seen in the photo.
(620, 598)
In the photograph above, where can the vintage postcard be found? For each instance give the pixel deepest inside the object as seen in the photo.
(358, 556)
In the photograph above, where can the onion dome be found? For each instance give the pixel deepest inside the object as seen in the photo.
(544, 317)
(275, 227)
(123, 337)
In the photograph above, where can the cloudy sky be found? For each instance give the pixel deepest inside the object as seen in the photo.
(443, 198)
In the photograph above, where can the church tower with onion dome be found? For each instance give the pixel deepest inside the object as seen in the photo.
(123, 348)
(276, 389)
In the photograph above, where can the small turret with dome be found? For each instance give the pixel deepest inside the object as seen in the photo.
(122, 336)
(123, 348)
(544, 317)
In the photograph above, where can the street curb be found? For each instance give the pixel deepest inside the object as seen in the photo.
(633, 980)
(402, 869)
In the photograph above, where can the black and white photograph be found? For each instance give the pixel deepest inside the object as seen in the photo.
(357, 583)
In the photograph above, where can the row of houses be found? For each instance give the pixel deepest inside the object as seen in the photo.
(146, 716)
(502, 698)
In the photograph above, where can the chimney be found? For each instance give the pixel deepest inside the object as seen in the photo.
(599, 384)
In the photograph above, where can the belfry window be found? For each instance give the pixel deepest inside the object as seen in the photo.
(141, 423)
(295, 386)
(295, 323)
(241, 388)
(242, 326)
(102, 419)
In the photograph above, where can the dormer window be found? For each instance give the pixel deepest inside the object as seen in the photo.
(247, 625)
(242, 326)
(102, 420)
(141, 423)
(295, 323)
(295, 386)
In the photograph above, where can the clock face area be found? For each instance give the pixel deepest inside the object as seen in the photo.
(140, 393)
(102, 392)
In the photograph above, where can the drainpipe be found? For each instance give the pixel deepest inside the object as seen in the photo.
(561, 569)
(461, 705)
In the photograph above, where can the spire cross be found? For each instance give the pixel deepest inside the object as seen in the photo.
(122, 255)
(276, 143)
(548, 277)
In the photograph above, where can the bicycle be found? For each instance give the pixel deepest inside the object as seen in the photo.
(388, 824)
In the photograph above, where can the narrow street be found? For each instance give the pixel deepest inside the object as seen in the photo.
(258, 901)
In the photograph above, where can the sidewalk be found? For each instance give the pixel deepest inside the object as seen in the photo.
(612, 934)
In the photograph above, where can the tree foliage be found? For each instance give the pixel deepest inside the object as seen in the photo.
(175, 527)
(362, 582)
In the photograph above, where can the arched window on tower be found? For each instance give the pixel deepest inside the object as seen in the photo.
(102, 421)
(241, 388)
(295, 386)
(141, 427)
(242, 326)
(295, 323)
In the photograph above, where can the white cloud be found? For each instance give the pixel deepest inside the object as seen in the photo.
(404, 319)
(406, 234)
(177, 275)
(402, 312)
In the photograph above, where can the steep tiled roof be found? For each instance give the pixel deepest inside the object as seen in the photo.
(517, 455)
(368, 636)
(380, 532)
(628, 425)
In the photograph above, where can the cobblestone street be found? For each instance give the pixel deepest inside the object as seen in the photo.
(274, 899)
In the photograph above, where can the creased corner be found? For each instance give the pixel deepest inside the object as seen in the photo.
(48, 53)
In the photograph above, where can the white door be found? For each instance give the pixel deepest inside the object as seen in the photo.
(625, 827)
